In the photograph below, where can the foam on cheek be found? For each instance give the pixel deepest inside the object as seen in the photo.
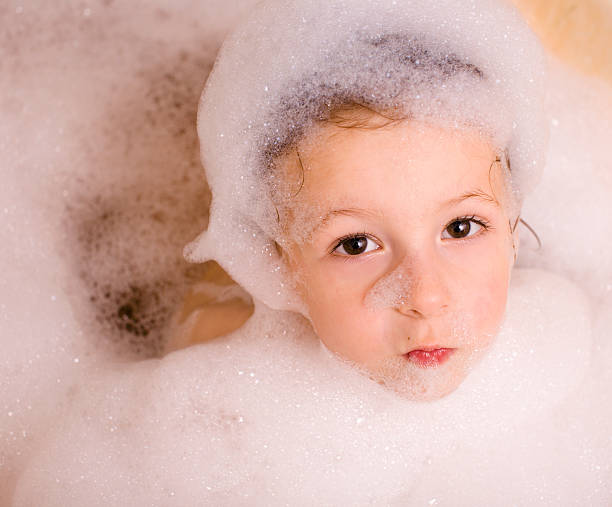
(392, 290)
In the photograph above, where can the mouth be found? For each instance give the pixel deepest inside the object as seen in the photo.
(430, 357)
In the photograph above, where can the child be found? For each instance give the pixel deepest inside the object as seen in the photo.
(373, 181)
(368, 162)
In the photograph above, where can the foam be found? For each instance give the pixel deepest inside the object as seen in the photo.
(585, 118)
(95, 109)
(326, 432)
(116, 189)
(263, 416)
(469, 71)
(391, 290)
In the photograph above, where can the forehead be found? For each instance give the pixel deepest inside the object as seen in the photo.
(406, 165)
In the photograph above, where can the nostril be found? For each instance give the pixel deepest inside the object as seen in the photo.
(408, 310)
(422, 307)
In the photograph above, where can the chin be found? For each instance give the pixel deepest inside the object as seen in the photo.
(431, 392)
(421, 384)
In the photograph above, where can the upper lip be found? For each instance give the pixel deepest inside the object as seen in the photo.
(429, 348)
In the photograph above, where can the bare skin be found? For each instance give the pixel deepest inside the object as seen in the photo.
(205, 316)
(409, 250)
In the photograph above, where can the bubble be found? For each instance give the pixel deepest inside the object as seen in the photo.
(391, 290)
(91, 414)
(406, 58)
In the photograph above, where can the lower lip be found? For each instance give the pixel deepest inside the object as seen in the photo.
(429, 358)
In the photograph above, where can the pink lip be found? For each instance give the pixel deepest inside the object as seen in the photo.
(429, 357)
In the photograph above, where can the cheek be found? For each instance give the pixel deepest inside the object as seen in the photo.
(482, 292)
(328, 289)
(338, 316)
(492, 304)
(488, 303)
(322, 296)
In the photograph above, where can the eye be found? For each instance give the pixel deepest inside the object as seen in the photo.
(462, 228)
(355, 245)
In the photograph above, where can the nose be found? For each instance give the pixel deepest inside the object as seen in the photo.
(428, 293)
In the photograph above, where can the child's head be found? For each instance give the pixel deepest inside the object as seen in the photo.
(358, 153)
(400, 236)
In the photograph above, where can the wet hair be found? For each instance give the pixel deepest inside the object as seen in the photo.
(392, 65)
(353, 115)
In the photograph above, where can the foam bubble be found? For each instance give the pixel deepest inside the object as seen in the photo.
(391, 290)
(202, 435)
(96, 142)
(299, 59)
(575, 235)
(262, 416)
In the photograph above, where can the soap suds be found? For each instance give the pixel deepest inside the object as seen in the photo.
(101, 189)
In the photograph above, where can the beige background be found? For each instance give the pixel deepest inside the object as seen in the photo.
(577, 31)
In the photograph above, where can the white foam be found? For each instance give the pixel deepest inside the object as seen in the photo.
(474, 63)
(575, 235)
(261, 417)
(95, 108)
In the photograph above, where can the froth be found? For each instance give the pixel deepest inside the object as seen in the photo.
(261, 416)
(101, 189)
(575, 235)
(298, 59)
(264, 416)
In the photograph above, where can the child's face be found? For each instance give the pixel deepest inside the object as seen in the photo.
(405, 263)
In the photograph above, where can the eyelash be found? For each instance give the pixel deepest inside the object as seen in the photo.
(486, 226)
(353, 235)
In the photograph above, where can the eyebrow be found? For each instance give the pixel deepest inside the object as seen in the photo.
(347, 212)
(360, 212)
(473, 194)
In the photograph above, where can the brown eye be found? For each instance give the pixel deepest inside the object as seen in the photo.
(459, 229)
(355, 245)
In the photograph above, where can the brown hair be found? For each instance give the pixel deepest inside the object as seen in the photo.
(356, 115)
